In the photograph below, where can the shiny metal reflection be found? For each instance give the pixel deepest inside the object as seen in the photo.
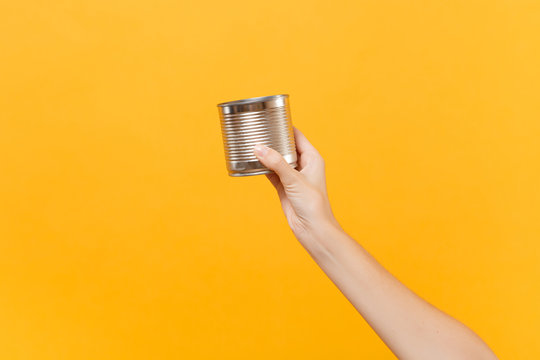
(261, 120)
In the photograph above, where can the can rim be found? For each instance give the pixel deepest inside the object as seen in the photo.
(252, 100)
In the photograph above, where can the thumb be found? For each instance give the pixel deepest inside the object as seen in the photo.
(275, 162)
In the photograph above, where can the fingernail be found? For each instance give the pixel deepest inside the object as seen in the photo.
(260, 150)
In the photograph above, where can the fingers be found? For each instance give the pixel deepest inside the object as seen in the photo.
(274, 179)
(274, 161)
(302, 143)
(307, 154)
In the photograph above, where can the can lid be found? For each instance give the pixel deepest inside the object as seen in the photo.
(253, 104)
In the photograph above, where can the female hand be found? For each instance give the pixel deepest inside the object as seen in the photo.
(302, 192)
(411, 327)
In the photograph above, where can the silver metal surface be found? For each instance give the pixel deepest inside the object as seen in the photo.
(262, 120)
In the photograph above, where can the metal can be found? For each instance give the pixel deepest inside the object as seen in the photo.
(261, 120)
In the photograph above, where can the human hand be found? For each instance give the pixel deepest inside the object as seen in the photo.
(411, 327)
(302, 192)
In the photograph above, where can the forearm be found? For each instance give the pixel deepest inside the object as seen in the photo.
(410, 327)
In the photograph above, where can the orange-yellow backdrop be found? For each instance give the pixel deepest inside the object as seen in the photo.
(122, 237)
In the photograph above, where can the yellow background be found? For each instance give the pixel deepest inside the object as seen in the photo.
(122, 237)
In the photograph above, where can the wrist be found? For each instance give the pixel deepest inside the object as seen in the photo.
(321, 236)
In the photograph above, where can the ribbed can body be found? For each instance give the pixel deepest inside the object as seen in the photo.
(245, 123)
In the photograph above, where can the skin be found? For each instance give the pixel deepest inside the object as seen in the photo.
(411, 327)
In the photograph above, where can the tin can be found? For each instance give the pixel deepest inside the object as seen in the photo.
(261, 120)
